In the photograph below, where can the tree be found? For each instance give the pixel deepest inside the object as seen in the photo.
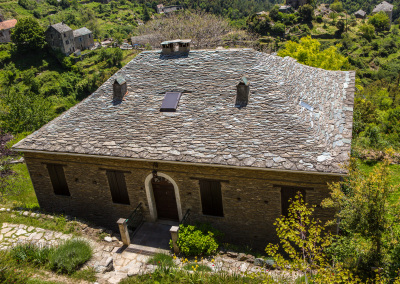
(336, 6)
(308, 52)
(340, 25)
(380, 21)
(278, 28)
(363, 208)
(305, 240)
(367, 31)
(28, 34)
(306, 12)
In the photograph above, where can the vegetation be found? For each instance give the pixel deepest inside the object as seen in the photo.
(197, 240)
(161, 259)
(28, 34)
(69, 256)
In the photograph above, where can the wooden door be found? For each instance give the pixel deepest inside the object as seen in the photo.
(164, 195)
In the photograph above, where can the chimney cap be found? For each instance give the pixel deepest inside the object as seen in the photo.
(120, 80)
(244, 81)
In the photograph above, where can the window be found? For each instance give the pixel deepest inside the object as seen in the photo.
(58, 180)
(89, 35)
(1, 33)
(66, 42)
(119, 193)
(65, 35)
(211, 197)
(287, 193)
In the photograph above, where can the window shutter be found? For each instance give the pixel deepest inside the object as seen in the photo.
(211, 197)
(58, 179)
(290, 192)
(118, 189)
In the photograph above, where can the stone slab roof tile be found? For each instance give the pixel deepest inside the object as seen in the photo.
(384, 6)
(273, 131)
(8, 24)
(61, 27)
(81, 32)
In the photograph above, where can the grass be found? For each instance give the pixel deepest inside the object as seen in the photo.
(20, 191)
(181, 276)
(161, 259)
(194, 266)
(59, 223)
(69, 256)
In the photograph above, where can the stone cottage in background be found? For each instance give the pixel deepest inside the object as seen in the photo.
(228, 137)
(161, 9)
(360, 14)
(384, 7)
(61, 37)
(5, 30)
(83, 38)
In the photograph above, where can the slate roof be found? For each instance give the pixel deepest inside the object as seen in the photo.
(8, 24)
(297, 118)
(81, 32)
(61, 27)
(384, 6)
(361, 13)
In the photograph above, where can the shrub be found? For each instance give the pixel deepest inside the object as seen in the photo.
(197, 240)
(70, 256)
(380, 21)
(30, 253)
(197, 267)
(278, 28)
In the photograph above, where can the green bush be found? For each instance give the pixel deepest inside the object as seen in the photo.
(30, 253)
(69, 256)
(197, 240)
(161, 259)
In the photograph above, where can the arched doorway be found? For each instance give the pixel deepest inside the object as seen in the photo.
(163, 197)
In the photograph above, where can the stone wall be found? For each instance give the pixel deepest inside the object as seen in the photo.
(60, 41)
(251, 198)
(84, 41)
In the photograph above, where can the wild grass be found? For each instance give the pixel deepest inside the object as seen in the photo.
(161, 259)
(194, 266)
(69, 256)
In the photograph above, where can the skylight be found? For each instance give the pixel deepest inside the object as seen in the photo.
(170, 102)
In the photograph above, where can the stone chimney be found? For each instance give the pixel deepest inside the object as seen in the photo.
(243, 93)
(184, 45)
(120, 88)
(167, 47)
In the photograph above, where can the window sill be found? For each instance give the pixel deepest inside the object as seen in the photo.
(124, 204)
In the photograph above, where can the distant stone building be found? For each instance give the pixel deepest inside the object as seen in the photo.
(5, 30)
(60, 37)
(360, 14)
(296, 3)
(83, 38)
(168, 9)
(384, 7)
(286, 9)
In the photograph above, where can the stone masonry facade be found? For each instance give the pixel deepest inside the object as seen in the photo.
(251, 198)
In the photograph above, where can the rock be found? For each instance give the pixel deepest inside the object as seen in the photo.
(232, 254)
(106, 261)
(2, 209)
(250, 258)
(242, 257)
(259, 262)
(270, 263)
(114, 239)
(134, 270)
(26, 213)
(8, 209)
(108, 239)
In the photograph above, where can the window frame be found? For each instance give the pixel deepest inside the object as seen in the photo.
(211, 204)
(58, 179)
(118, 188)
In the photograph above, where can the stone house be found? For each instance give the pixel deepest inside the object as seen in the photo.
(296, 3)
(360, 14)
(5, 30)
(168, 9)
(60, 37)
(83, 38)
(384, 7)
(227, 136)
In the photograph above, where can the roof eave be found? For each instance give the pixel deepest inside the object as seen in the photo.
(176, 162)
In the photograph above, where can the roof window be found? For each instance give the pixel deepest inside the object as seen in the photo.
(170, 102)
